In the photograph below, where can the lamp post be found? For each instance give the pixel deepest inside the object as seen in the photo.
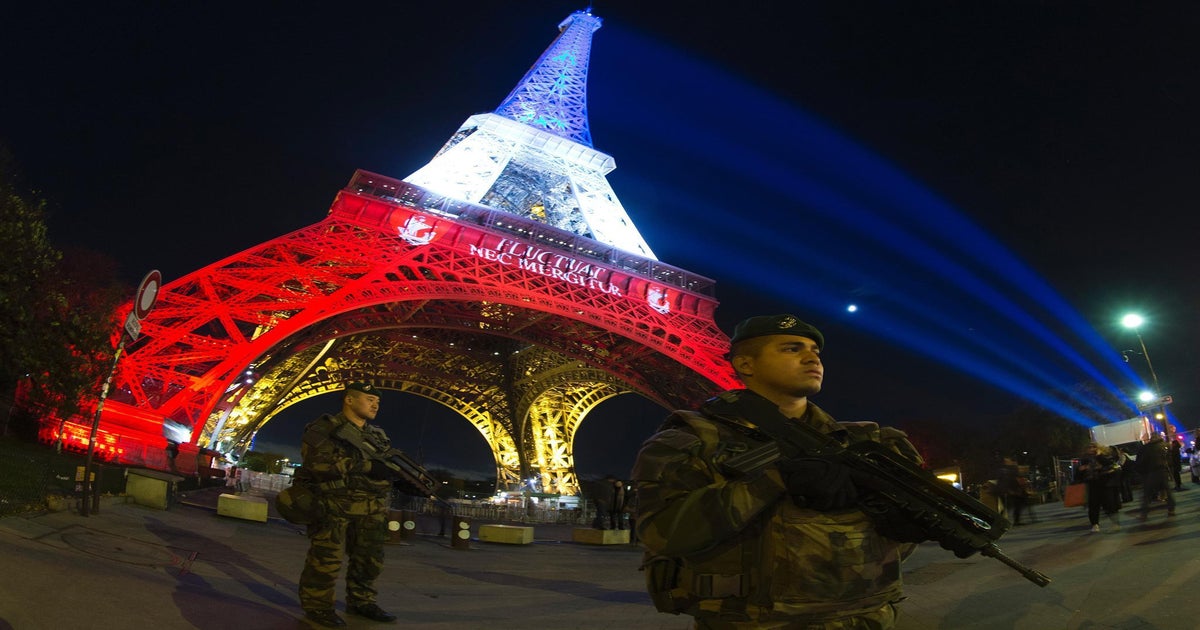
(1134, 322)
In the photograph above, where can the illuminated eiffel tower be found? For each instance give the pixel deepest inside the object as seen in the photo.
(503, 280)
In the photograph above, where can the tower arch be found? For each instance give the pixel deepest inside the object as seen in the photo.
(503, 280)
(497, 317)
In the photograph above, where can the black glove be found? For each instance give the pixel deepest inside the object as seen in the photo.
(818, 483)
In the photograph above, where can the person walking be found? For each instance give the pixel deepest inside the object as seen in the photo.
(1100, 470)
(1176, 452)
(1154, 460)
(1013, 487)
(1125, 475)
(780, 546)
(353, 494)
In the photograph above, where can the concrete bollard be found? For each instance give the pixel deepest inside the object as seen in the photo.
(408, 527)
(401, 526)
(460, 533)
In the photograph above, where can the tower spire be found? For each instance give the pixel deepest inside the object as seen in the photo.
(553, 94)
(533, 155)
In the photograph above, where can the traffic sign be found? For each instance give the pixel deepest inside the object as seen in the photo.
(133, 326)
(1162, 401)
(147, 293)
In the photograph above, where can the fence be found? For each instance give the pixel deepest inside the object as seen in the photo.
(24, 478)
(29, 473)
(544, 513)
(272, 482)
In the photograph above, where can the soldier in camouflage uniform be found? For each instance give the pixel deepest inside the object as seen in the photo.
(783, 546)
(353, 494)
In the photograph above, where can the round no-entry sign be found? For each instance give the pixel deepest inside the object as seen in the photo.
(147, 293)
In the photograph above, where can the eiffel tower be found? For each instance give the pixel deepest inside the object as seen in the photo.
(503, 280)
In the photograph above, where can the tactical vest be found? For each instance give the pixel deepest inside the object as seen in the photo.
(351, 493)
(789, 563)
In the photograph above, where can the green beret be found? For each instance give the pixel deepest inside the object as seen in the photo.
(365, 388)
(764, 325)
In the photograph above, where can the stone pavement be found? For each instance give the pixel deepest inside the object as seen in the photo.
(132, 567)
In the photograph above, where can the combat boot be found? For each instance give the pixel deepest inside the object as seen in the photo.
(327, 618)
(371, 611)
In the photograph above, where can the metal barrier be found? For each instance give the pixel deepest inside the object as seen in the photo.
(497, 513)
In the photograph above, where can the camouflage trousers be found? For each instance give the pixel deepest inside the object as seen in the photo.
(883, 618)
(360, 539)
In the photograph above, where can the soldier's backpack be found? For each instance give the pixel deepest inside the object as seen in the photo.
(298, 504)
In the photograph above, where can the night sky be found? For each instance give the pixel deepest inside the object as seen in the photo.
(170, 136)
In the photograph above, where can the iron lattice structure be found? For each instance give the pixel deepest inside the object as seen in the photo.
(519, 327)
(521, 304)
(553, 95)
(533, 156)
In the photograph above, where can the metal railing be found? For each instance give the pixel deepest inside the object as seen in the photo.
(482, 511)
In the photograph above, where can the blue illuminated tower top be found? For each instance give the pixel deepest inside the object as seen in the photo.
(533, 156)
(553, 94)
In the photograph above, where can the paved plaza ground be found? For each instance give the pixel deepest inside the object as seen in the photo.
(130, 566)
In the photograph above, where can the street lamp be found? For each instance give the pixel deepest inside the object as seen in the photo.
(1135, 321)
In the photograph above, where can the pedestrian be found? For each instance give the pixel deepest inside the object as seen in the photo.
(1125, 475)
(631, 502)
(616, 507)
(1154, 461)
(1176, 463)
(172, 454)
(1013, 488)
(1194, 464)
(780, 545)
(601, 494)
(1100, 470)
(354, 494)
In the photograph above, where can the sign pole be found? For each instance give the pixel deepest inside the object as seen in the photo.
(147, 294)
(87, 466)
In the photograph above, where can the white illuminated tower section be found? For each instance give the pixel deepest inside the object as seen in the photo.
(533, 156)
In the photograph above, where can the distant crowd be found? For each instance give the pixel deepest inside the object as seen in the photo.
(1102, 479)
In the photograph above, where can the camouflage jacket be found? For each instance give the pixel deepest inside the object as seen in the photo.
(738, 548)
(336, 470)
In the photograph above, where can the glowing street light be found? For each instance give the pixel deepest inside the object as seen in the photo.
(1135, 321)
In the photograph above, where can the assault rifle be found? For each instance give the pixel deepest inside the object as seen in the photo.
(907, 502)
(402, 468)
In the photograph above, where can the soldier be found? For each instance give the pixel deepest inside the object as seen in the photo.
(353, 495)
(784, 546)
